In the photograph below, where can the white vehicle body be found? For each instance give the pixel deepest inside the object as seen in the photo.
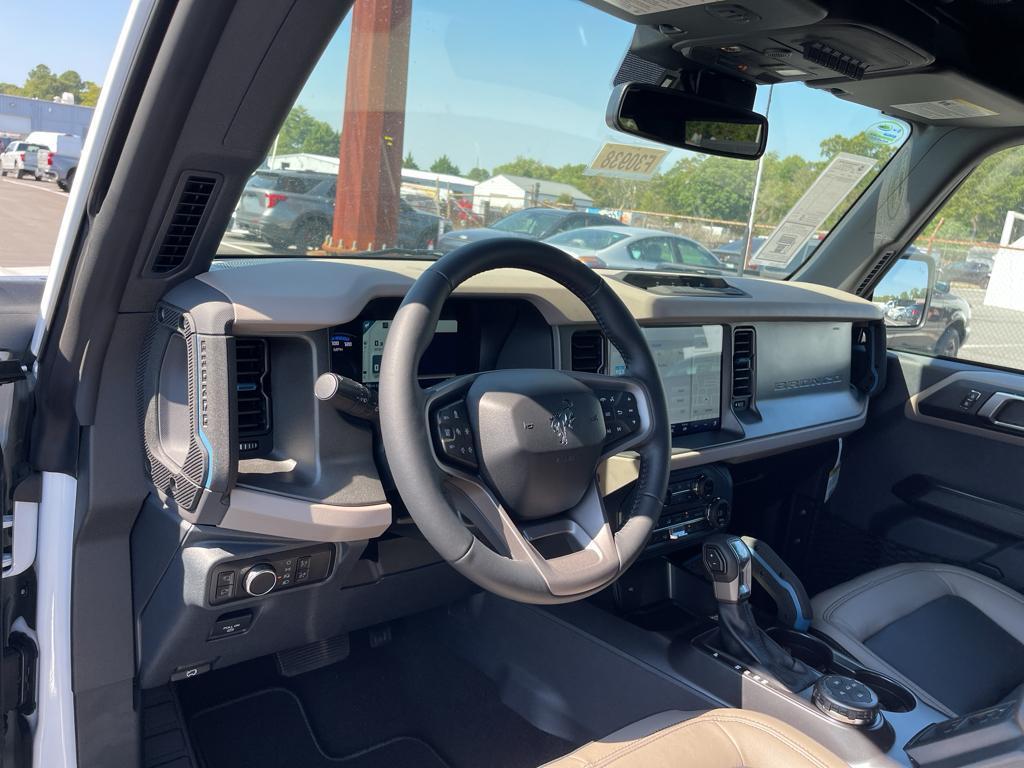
(58, 143)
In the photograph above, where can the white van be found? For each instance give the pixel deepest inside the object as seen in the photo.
(58, 143)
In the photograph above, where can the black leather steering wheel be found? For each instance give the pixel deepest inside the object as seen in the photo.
(514, 453)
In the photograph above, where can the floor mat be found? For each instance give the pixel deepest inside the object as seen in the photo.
(415, 686)
(270, 730)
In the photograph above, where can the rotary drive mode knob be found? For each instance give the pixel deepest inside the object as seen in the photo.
(260, 579)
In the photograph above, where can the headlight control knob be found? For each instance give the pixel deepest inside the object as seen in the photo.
(260, 579)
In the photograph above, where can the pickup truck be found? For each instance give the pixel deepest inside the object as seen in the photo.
(21, 159)
(62, 169)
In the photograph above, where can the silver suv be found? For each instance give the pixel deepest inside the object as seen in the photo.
(296, 209)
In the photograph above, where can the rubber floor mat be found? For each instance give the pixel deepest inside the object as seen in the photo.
(269, 729)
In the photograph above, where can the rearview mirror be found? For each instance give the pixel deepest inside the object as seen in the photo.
(903, 293)
(688, 122)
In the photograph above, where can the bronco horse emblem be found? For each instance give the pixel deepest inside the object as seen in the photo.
(562, 421)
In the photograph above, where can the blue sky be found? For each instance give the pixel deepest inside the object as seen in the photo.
(487, 82)
(68, 34)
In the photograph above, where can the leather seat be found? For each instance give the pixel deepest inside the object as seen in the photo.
(952, 636)
(722, 738)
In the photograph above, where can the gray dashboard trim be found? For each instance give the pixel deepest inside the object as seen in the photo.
(273, 515)
(309, 294)
(620, 471)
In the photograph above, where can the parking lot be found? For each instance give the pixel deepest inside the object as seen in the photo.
(30, 214)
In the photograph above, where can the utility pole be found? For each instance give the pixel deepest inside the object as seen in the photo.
(753, 202)
(373, 129)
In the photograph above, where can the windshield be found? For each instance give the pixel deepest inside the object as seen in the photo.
(505, 132)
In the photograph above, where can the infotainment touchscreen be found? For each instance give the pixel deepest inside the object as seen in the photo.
(358, 354)
(689, 359)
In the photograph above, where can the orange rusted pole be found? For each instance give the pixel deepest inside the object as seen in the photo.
(370, 151)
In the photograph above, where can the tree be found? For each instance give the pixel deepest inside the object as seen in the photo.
(302, 132)
(443, 164)
(90, 94)
(478, 174)
(410, 163)
(41, 83)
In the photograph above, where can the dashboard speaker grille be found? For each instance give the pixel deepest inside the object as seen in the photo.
(253, 387)
(743, 351)
(588, 351)
(193, 200)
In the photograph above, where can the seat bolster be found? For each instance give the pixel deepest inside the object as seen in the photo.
(721, 738)
(853, 612)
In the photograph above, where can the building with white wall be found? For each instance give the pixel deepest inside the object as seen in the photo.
(516, 192)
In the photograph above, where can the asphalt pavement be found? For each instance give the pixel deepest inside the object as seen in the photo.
(30, 214)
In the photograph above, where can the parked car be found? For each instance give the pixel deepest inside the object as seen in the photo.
(296, 209)
(56, 142)
(529, 223)
(22, 159)
(636, 248)
(970, 272)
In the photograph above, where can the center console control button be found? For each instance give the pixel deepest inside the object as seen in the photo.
(846, 700)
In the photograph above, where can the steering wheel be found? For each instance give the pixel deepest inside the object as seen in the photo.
(499, 469)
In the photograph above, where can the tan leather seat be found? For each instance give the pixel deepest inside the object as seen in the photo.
(721, 738)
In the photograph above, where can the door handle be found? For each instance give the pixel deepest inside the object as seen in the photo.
(990, 410)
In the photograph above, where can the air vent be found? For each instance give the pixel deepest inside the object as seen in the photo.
(868, 282)
(181, 229)
(588, 351)
(253, 396)
(743, 351)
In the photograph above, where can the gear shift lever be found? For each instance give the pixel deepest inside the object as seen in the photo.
(727, 560)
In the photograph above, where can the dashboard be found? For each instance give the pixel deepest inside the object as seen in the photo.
(271, 504)
(750, 367)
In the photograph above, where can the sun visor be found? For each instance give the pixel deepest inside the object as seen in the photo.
(934, 98)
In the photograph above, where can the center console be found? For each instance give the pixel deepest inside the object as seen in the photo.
(697, 502)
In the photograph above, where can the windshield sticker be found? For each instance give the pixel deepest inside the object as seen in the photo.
(817, 203)
(626, 161)
(644, 7)
(945, 109)
(893, 202)
(887, 132)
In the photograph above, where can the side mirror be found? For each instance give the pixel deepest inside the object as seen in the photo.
(689, 122)
(941, 286)
(903, 293)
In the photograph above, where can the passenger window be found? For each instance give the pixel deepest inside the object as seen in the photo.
(653, 249)
(694, 256)
(958, 291)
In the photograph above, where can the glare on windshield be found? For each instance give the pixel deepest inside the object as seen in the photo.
(483, 141)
